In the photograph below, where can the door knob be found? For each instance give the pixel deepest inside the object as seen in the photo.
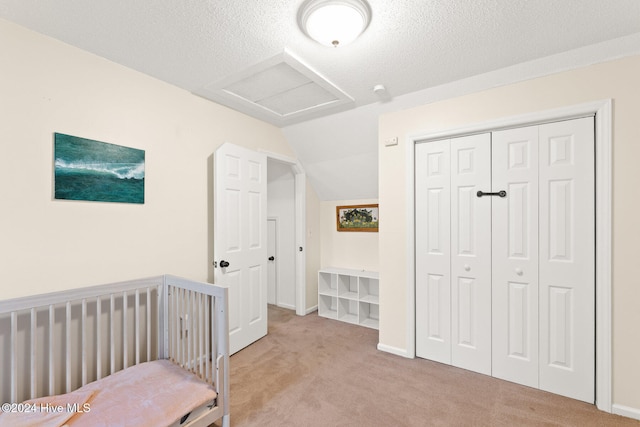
(519, 271)
(271, 258)
(224, 263)
(467, 267)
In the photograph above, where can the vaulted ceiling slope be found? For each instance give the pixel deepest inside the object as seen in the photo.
(409, 47)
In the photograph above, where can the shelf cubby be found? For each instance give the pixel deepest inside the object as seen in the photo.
(369, 315)
(369, 290)
(350, 296)
(348, 310)
(327, 284)
(347, 287)
(328, 306)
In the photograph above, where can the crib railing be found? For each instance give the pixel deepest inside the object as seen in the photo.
(58, 342)
(197, 334)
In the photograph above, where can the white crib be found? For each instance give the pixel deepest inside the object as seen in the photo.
(59, 342)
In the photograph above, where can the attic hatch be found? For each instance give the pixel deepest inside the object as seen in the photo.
(281, 90)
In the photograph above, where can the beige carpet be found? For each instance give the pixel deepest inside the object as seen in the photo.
(310, 371)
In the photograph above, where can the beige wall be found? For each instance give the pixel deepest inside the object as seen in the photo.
(356, 250)
(618, 80)
(48, 245)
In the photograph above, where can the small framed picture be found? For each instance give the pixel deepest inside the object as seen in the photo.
(357, 218)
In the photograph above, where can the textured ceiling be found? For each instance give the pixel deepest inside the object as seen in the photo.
(410, 45)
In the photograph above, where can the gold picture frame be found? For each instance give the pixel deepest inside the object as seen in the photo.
(358, 218)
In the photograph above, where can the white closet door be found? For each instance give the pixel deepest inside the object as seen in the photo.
(433, 255)
(471, 253)
(515, 256)
(506, 285)
(567, 258)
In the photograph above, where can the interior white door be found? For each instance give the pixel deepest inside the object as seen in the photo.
(433, 254)
(521, 267)
(272, 279)
(471, 253)
(240, 240)
(567, 258)
(453, 251)
(515, 256)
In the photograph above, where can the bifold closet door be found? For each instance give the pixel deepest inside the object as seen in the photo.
(453, 252)
(471, 253)
(567, 258)
(433, 253)
(506, 285)
(543, 246)
(515, 256)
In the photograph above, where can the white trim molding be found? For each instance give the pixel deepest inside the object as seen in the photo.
(626, 411)
(602, 110)
(395, 350)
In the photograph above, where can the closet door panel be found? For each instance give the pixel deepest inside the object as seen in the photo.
(471, 253)
(567, 258)
(515, 256)
(433, 279)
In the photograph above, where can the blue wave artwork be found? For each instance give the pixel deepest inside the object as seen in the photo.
(85, 169)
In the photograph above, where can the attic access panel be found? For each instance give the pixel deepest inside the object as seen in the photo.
(281, 90)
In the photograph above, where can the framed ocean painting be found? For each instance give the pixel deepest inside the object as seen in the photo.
(85, 169)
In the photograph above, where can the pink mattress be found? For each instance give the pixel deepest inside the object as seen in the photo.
(150, 394)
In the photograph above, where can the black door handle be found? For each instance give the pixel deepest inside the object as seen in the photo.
(224, 263)
(501, 193)
(272, 258)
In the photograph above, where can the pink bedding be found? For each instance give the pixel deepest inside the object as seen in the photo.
(150, 394)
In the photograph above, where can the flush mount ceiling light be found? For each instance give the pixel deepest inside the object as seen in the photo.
(334, 22)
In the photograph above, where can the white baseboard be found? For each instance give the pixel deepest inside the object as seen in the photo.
(311, 310)
(394, 350)
(626, 411)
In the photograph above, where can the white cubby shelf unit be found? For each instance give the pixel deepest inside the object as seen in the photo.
(349, 295)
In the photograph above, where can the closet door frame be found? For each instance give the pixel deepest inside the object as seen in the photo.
(602, 110)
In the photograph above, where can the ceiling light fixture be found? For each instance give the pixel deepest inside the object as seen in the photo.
(334, 22)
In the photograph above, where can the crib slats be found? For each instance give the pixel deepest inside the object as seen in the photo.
(83, 323)
(14, 357)
(193, 332)
(205, 322)
(34, 374)
(112, 338)
(178, 314)
(215, 339)
(200, 337)
(173, 327)
(176, 331)
(51, 350)
(68, 346)
(148, 324)
(214, 332)
(98, 338)
(189, 332)
(125, 338)
(136, 331)
(178, 336)
(69, 349)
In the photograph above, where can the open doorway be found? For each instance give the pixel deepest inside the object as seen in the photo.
(281, 236)
(239, 222)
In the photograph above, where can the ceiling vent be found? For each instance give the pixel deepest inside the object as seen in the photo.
(281, 90)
